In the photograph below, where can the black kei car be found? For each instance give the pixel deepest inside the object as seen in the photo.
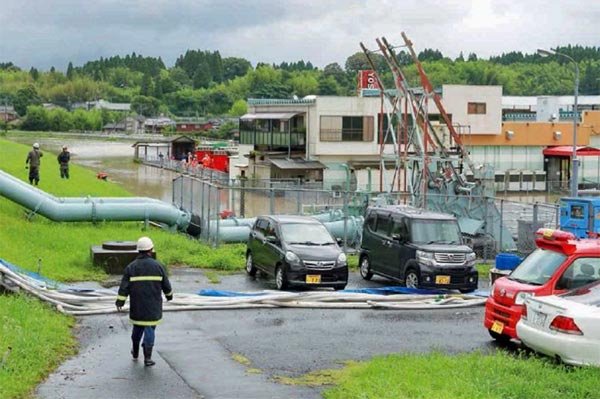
(420, 248)
(296, 250)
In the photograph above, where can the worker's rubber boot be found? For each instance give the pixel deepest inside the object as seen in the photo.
(135, 350)
(148, 356)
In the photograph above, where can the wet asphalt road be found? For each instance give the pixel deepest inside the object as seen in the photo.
(195, 350)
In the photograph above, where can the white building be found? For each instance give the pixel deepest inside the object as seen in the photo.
(339, 134)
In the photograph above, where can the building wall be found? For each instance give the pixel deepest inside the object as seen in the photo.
(539, 133)
(455, 99)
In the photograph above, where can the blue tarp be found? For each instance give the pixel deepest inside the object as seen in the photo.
(36, 276)
(224, 293)
(374, 291)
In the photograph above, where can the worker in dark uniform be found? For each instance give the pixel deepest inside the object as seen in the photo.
(33, 162)
(143, 280)
(63, 159)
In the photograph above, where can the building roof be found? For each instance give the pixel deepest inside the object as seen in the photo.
(102, 104)
(296, 164)
(178, 139)
(281, 101)
(9, 109)
(284, 116)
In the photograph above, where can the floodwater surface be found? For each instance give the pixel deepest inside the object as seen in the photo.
(114, 158)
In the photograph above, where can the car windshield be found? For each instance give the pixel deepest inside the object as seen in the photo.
(306, 234)
(587, 295)
(428, 231)
(538, 267)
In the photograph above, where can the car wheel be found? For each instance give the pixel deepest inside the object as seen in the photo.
(411, 279)
(365, 268)
(280, 278)
(501, 338)
(250, 268)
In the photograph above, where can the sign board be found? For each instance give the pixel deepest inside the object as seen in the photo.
(367, 80)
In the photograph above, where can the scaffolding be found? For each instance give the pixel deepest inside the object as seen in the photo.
(433, 167)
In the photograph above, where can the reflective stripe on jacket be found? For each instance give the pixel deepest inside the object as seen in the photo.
(143, 281)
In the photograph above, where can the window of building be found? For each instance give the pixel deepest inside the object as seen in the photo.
(347, 128)
(476, 108)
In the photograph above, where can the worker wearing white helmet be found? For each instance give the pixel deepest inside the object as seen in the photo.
(143, 281)
(63, 160)
(33, 162)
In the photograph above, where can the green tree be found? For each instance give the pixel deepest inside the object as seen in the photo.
(24, 98)
(70, 71)
(234, 67)
(36, 118)
(59, 120)
(147, 86)
(239, 108)
(146, 106)
(328, 86)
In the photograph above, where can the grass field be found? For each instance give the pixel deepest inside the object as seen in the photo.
(62, 249)
(34, 339)
(465, 376)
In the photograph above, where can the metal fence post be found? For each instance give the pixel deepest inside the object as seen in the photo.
(271, 201)
(208, 215)
(181, 193)
(202, 214)
(298, 202)
(535, 214)
(501, 222)
(191, 194)
(345, 221)
(218, 210)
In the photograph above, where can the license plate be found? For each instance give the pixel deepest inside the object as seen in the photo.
(538, 318)
(313, 279)
(497, 327)
(442, 279)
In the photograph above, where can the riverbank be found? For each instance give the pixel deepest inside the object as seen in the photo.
(34, 338)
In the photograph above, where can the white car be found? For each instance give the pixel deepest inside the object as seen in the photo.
(566, 326)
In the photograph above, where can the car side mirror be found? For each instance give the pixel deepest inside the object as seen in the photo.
(398, 237)
(272, 239)
(339, 241)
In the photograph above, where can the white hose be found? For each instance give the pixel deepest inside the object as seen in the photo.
(93, 302)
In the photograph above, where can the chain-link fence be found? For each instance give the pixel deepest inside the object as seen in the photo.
(227, 211)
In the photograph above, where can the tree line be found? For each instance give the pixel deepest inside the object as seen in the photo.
(203, 83)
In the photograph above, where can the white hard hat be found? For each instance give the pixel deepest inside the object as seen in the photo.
(145, 244)
(36, 145)
(64, 147)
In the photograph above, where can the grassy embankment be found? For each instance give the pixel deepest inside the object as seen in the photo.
(463, 376)
(34, 339)
(63, 248)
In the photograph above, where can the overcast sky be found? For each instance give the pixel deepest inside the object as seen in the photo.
(45, 33)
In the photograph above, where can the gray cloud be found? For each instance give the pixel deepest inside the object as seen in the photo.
(45, 33)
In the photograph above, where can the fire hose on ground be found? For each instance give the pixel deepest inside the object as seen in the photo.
(80, 302)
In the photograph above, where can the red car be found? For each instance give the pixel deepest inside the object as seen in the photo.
(560, 263)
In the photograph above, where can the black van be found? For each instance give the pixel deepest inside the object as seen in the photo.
(420, 248)
(296, 250)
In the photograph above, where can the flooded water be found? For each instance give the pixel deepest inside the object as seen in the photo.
(114, 158)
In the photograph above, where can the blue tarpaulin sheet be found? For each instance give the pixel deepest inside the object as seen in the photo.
(374, 291)
(36, 276)
(228, 293)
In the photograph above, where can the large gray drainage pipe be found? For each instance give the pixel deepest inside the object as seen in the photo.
(240, 232)
(87, 209)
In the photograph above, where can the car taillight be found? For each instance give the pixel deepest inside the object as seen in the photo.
(524, 312)
(565, 325)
